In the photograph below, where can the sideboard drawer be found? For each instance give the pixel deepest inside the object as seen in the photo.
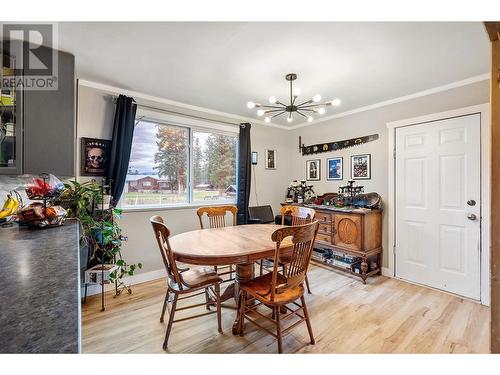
(325, 228)
(323, 217)
(324, 238)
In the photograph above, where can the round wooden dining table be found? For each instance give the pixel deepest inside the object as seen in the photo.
(239, 245)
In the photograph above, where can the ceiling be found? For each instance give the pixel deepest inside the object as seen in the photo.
(221, 66)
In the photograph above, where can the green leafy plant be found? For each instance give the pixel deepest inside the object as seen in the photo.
(101, 231)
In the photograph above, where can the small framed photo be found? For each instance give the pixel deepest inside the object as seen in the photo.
(255, 157)
(270, 159)
(94, 157)
(313, 172)
(334, 169)
(361, 167)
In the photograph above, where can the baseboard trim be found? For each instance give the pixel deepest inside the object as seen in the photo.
(129, 280)
(387, 272)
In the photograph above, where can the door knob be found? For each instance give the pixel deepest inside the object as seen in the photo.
(471, 202)
(471, 217)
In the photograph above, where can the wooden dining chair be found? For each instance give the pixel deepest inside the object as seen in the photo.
(278, 290)
(185, 283)
(217, 219)
(299, 216)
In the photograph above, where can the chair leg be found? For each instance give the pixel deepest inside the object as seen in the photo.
(170, 321)
(242, 301)
(207, 299)
(307, 285)
(165, 303)
(261, 268)
(219, 316)
(308, 320)
(278, 329)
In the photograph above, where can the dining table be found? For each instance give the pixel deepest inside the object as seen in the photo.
(240, 245)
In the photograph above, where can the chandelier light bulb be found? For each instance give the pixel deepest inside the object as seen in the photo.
(250, 105)
(310, 118)
(335, 102)
(289, 118)
(260, 112)
(272, 99)
(317, 98)
(267, 119)
(321, 111)
(297, 91)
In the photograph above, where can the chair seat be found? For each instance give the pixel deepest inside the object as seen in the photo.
(198, 277)
(260, 288)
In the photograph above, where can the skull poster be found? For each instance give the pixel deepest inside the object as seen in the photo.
(95, 157)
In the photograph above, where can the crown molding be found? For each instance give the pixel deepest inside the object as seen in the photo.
(434, 90)
(138, 96)
(232, 116)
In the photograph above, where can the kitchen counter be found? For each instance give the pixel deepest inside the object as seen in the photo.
(39, 289)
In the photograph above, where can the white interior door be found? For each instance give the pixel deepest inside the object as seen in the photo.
(438, 204)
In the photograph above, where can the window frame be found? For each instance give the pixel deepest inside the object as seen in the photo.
(192, 125)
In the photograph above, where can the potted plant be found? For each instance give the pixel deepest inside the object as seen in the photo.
(101, 233)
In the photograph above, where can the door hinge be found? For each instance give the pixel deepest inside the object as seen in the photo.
(394, 153)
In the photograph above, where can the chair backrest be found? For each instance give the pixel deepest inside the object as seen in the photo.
(216, 215)
(300, 215)
(263, 213)
(303, 237)
(162, 233)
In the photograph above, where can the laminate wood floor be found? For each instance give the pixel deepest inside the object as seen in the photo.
(385, 316)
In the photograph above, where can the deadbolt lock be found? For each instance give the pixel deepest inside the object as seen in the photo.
(471, 202)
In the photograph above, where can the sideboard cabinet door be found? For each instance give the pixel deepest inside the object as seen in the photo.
(348, 231)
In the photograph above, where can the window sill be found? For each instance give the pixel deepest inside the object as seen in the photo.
(186, 206)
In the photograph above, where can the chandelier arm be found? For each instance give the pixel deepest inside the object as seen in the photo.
(312, 105)
(306, 102)
(278, 102)
(300, 113)
(278, 114)
(306, 109)
(275, 110)
(273, 106)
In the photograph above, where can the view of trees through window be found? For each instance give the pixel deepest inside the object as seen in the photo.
(159, 167)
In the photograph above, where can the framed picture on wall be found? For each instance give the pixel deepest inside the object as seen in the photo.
(94, 157)
(334, 169)
(270, 159)
(361, 167)
(313, 171)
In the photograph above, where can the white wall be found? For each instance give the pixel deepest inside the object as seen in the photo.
(95, 119)
(371, 122)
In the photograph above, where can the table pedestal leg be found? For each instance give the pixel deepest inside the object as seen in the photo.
(244, 272)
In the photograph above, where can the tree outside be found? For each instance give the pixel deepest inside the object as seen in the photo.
(159, 166)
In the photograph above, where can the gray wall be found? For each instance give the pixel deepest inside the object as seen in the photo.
(371, 122)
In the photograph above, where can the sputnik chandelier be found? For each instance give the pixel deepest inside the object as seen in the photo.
(306, 109)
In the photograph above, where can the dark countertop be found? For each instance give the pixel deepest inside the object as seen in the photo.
(39, 289)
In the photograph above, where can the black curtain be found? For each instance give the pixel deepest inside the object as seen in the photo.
(244, 173)
(123, 132)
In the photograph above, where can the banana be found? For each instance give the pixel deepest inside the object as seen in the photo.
(10, 207)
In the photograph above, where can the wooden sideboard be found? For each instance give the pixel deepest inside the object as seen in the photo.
(356, 232)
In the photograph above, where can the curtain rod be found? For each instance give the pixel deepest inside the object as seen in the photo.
(115, 98)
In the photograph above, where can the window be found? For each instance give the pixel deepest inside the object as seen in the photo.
(177, 165)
